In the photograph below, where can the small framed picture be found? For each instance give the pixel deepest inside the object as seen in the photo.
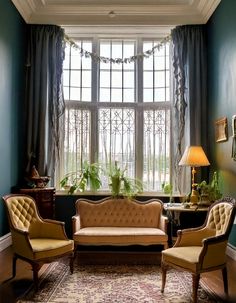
(221, 129)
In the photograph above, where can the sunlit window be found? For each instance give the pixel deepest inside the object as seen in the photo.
(118, 112)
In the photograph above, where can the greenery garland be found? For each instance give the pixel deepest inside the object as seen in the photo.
(102, 59)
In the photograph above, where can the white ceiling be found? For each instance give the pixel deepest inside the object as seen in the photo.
(116, 15)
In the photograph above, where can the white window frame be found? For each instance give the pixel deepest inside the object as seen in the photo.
(138, 105)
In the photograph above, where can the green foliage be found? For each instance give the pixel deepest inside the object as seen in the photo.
(167, 189)
(211, 190)
(122, 185)
(89, 175)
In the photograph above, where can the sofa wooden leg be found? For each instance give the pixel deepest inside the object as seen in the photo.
(163, 280)
(225, 279)
(72, 258)
(195, 278)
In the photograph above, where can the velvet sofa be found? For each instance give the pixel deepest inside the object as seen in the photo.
(119, 222)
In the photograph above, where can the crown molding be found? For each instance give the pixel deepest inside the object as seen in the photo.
(118, 31)
(125, 12)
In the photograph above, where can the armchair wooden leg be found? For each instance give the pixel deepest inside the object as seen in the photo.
(225, 279)
(35, 269)
(163, 271)
(195, 279)
(14, 266)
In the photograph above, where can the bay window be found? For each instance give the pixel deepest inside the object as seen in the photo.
(118, 112)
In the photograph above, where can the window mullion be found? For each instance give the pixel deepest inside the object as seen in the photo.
(94, 110)
(139, 114)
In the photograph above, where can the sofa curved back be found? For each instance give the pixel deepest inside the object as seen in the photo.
(119, 212)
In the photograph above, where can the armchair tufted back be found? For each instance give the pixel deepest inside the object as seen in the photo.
(119, 213)
(221, 216)
(21, 211)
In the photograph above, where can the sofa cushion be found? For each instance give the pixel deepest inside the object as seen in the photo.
(120, 236)
(47, 248)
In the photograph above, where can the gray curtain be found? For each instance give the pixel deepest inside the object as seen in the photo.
(189, 95)
(44, 99)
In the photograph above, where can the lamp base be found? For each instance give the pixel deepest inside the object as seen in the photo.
(194, 198)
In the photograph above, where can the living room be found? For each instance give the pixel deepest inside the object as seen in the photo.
(216, 91)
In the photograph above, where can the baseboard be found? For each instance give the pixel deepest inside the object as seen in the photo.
(231, 251)
(5, 241)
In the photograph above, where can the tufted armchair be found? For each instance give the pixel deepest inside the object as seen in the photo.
(34, 239)
(202, 249)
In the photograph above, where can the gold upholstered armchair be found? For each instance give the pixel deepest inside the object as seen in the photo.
(34, 239)
(203, 249)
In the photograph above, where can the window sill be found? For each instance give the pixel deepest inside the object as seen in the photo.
(153, 194)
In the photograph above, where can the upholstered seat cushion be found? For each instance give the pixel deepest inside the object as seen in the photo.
(120, 236)
(185, 257)
(47, 248)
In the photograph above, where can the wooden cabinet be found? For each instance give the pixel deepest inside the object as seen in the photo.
(45, 200)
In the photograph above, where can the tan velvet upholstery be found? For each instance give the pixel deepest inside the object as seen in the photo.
(113, 221)
(34, 239)
(203, 249)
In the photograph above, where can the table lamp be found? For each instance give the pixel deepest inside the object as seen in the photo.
(194, 156)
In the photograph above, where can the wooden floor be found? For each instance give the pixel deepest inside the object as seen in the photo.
(10, 290)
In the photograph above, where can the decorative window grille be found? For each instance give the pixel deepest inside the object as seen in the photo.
(118, 112)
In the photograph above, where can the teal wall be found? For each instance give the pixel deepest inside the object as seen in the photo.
(12, 54)
(222, 92)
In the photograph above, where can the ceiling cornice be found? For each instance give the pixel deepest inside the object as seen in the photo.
(126, 12)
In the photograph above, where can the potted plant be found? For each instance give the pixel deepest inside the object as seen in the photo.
(168, 190)
(210, 192)
(122, 185)
(80, 180)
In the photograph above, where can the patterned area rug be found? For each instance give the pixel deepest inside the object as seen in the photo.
(113, 284)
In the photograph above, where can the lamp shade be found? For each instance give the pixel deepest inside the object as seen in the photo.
(194, 156)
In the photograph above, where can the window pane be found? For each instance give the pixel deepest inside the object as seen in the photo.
(160, 79)
(128, 79)
(117, 79)
(66, 93)
(148, 63)
(148, 95)
(156, 148)
(117, 138)
(77, 139)
(116, 95)
(147, 79)
(128, 95)
(160, 94)
(74, 93)
(75, 78)
(159, 63)
(128, 49)
(86, 79)
(72, 75)
(117, 53)
(86, 63)
(104, 79)
(86, 94)
(66, 77)
(75, 59)
(117, 76)
(66, 62)
(104, 94)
